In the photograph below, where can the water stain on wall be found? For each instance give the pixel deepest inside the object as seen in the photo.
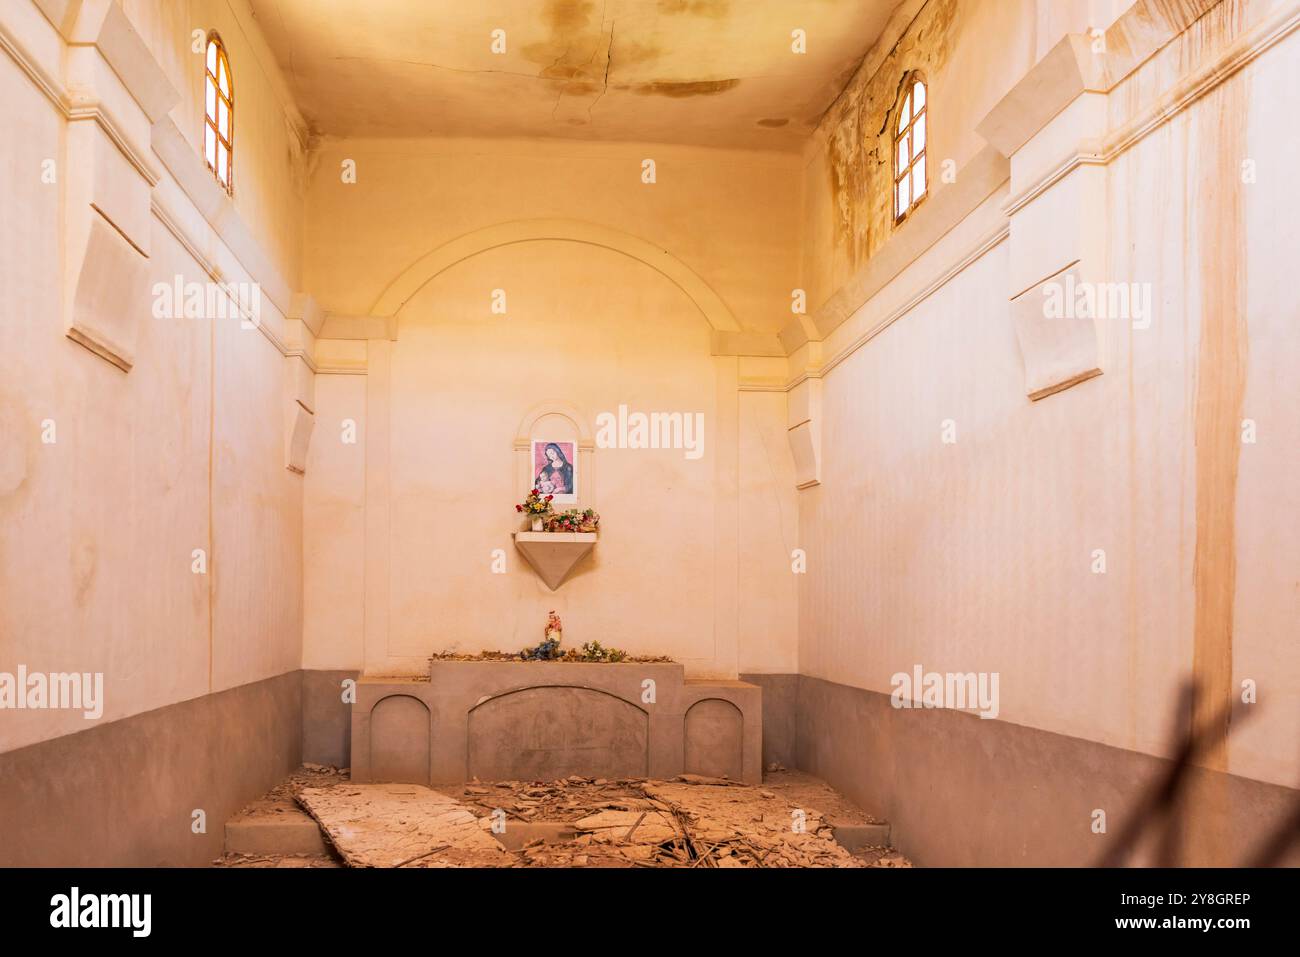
(18, 439)
(1220, 392)
(84, 562)
(859, 133)
(1132, 38)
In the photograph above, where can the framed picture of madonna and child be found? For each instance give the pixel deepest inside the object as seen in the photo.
(555, 471)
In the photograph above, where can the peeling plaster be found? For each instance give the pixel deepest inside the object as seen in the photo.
(858, 132)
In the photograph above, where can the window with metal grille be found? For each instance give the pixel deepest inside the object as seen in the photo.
(909, 149)
(219, 112)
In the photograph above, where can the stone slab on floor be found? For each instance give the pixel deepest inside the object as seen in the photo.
(285, 832)
(859, 837)
(401, 825)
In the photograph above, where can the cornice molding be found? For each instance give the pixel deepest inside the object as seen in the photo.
(212, 203)
(986, 243)
(215, 273)
(944, 210)
(104, 25)
(19, 51)
(75, 110)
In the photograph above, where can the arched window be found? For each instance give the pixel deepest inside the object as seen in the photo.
(219, 112)
(909, 149)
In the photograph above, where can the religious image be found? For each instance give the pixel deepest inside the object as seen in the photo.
(555, 470)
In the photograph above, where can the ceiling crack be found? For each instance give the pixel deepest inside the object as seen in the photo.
(609, 62)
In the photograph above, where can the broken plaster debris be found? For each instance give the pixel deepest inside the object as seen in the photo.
(691, 821)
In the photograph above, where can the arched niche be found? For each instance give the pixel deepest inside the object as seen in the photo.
(400, 732)
(552, 420)
(715, 739)
(423, 270)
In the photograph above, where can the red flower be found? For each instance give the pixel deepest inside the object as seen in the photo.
(549, 497)
(519, 508)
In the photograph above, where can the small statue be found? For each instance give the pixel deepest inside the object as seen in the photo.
(549, 649)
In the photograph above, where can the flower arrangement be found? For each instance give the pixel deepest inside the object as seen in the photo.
(535, 504)
(595, 651)
(549, 649)
(573, 520)
(537, 508)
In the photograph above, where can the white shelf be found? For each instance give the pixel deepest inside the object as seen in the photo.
(554, 555)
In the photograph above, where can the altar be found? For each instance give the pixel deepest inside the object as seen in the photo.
(537, 720)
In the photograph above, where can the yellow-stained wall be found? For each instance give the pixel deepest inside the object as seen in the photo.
(694, 556)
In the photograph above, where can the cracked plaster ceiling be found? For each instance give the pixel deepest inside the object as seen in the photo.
(706, 72)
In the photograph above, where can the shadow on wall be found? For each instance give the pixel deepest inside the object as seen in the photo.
(1171, 802)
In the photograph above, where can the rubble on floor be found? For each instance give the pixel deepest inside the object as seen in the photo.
(691, 821)
(805, 790)
(280, 799)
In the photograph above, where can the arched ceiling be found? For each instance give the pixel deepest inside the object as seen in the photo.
(705, 72)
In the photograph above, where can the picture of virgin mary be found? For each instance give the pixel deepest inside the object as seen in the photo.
(554, 471)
